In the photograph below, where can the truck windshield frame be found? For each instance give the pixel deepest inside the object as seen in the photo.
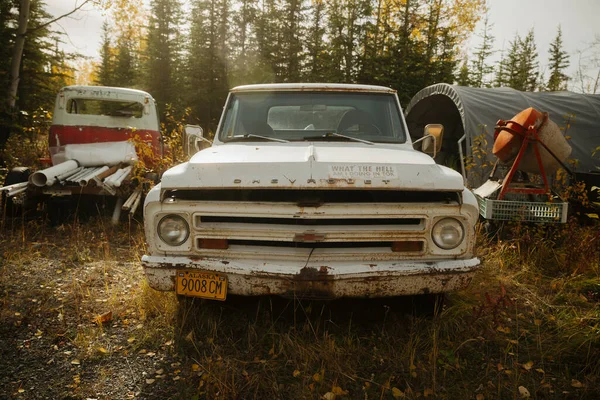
(313, 116)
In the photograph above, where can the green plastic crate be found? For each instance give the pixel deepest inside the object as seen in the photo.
(527, 211)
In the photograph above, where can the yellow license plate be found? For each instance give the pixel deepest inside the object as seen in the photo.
(207, 285)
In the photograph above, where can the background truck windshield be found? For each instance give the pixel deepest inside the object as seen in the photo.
(297, 116)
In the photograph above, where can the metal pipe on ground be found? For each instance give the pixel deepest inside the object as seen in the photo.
(47, 177)
(86, 179)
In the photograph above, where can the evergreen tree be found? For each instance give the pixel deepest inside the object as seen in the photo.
(163, 53)
(125, 68)
(481, 70)
(43, 69)
(269, 42)
(243, 44)
(347, 28)
(464, 78)
(559, 62)
(445, 61)
(207, 64)
(315, 45)
(105, 70)
(293, 37)
(509, 65)
(38, 86)
(527, 74)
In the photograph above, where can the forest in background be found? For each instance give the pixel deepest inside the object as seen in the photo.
(188, 54)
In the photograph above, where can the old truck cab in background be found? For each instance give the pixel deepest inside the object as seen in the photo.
(92, 147)
(311, 191)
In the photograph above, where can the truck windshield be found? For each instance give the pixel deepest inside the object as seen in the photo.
(310, 116)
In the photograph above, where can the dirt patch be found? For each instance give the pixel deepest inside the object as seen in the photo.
(72, 322)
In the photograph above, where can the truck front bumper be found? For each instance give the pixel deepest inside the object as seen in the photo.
(319, 280)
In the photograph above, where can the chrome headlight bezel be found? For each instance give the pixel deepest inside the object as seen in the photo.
(176, 221)
(443, 232)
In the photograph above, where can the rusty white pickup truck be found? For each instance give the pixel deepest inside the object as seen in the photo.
(312, 191)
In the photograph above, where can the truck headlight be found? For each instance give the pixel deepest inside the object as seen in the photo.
(173, 230)
(448, 233)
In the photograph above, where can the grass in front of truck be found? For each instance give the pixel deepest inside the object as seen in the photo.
(75, 304)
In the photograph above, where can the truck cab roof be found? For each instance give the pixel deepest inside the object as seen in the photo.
(334, 87)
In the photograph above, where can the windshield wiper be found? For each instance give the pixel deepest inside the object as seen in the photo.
(328, 134)
(251, 135)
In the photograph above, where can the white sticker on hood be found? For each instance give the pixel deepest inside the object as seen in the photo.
(362, 171)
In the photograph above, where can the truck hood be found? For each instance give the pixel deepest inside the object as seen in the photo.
(311, 165)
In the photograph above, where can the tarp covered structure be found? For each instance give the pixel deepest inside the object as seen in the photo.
(473, 112)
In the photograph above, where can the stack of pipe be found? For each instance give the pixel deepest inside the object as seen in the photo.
(14, 189)
(133, 202)
(84, 180)
(116, 179)
(48, 176)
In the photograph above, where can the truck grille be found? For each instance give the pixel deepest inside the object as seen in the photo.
(330, 231)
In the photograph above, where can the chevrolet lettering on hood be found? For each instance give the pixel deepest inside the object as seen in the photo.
(311, 191)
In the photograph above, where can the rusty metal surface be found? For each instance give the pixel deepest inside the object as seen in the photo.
(373, 234)
(321, 87)
(338, 279)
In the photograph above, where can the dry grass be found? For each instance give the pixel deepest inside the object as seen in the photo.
(529, 323)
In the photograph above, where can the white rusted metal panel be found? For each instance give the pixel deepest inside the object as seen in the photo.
(292, 165)
(337, 87)
(336, 279)
(61, 117)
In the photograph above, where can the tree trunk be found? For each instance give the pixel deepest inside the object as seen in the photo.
(15, 65)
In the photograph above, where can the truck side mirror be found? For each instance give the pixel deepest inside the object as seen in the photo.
(192, 140)
(432, 139)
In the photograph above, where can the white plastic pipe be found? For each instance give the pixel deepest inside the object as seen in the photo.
(47, 177)
(116, 182)
(110, 180)
(14, 192)
(117, 211)
(14, 186)
(136, 204)
(83, 172)
(131, 199)
(68, 174)
(86, 179)
(105, 153)
(90, 172)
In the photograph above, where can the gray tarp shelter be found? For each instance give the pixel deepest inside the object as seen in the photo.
(474, 111)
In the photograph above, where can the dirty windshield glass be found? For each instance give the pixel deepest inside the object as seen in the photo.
(113, 108)
(314, 116)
